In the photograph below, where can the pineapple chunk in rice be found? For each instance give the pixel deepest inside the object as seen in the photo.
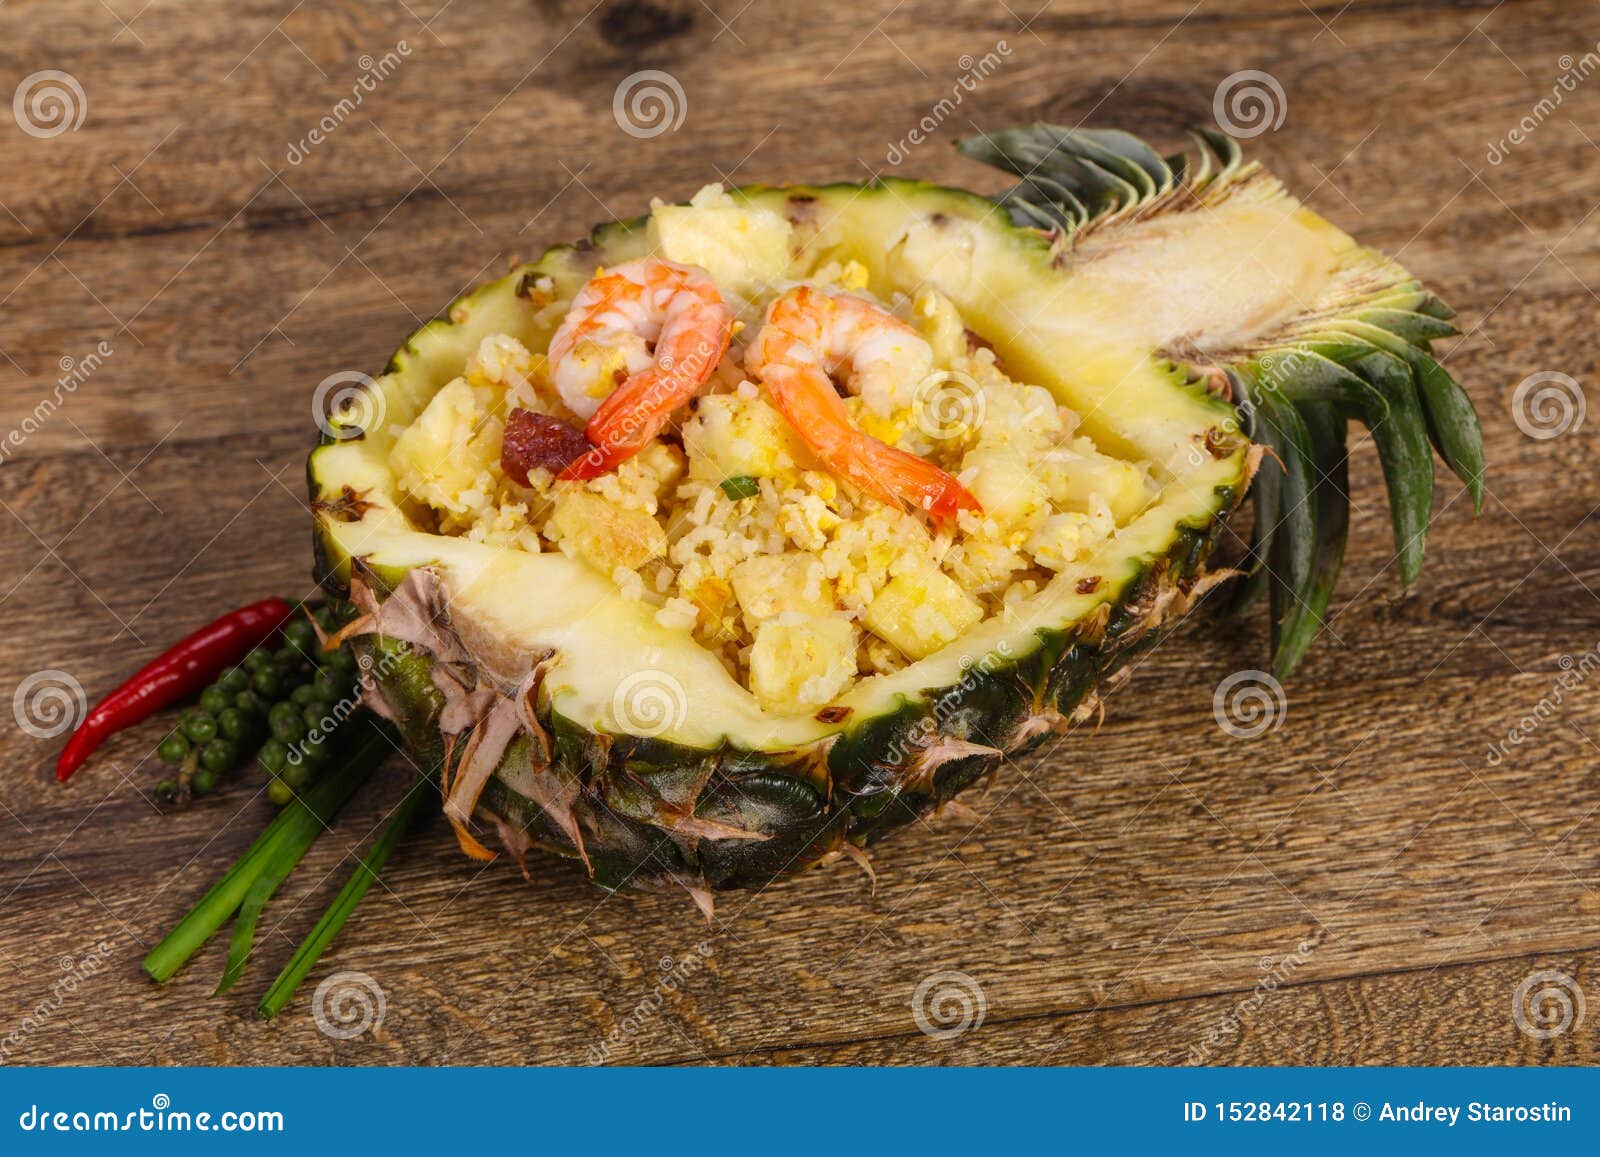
(1006, 486)
(769, 585)
(732, 435)
(604, 535)
(660, 467)
(740, 245)
(449, 457)
(1077, 473)
(800, 662)
(941, 327)
(921, 612)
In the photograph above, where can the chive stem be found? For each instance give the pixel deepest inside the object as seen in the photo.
(313, 815)
(312, 947)
(311, 812)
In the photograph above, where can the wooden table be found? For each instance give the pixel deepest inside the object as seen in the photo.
(1362, 884)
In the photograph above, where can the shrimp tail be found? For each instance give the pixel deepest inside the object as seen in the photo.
(919, 483)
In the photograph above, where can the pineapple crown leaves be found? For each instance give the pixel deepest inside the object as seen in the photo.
(1076, 179)
(1361, 353)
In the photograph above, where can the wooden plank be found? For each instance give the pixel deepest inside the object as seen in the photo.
(512, 92)
(1462, 1012)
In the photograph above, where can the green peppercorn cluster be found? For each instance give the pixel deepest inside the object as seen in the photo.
(285, 704)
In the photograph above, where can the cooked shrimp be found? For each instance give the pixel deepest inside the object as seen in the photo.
(658, 328)
(808, 337)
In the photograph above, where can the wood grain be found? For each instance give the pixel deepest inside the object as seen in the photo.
(1123, 896)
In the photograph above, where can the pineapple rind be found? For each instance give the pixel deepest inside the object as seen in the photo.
(868, 779)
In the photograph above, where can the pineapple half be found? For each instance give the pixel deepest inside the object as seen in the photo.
(1194, 314)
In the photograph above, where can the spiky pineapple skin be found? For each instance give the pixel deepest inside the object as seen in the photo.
(857, 786)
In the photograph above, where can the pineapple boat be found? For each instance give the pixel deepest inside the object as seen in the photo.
(730, 539)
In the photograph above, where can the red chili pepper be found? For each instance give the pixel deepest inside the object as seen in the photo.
(175, 674)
